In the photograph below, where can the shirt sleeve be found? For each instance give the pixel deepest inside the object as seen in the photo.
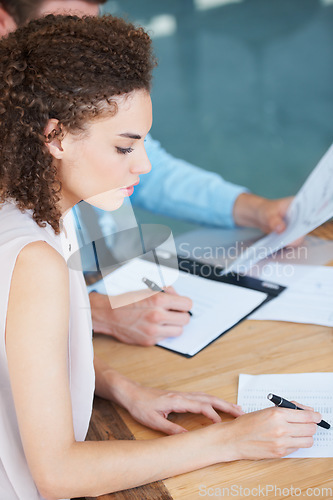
(178, 189)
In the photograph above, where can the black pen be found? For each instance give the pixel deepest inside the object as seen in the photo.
(284, 403)
(153, 286)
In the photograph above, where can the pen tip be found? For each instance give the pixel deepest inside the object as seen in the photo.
(270, 396)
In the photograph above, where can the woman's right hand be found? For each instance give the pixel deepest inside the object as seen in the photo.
(270, 433)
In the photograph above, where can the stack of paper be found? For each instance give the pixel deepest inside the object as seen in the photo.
(307, 299)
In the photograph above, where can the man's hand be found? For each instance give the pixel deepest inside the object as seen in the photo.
(143, 322)
(268, 215)
(254, 211)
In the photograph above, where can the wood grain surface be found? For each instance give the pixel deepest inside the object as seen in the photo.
(252, 347)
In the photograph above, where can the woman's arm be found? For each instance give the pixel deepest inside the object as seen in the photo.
(37, 350)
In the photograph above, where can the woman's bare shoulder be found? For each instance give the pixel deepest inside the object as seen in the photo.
(39, 260)
(40, 276)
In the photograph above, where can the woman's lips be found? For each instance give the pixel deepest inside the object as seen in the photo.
(128, 191)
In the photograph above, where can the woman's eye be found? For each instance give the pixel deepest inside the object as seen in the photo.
(124, 151)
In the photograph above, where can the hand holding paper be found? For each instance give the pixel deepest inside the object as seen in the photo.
(311, 207)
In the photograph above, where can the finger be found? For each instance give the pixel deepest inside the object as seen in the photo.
(210, 413)
(301, 442)
(175, 318)
(294, 444)
(304, 417)
(279, 227)
(277, 224)
(162, 424)
(173, 302)
(217, 403)
(302, 406)
(303, 430)
(230, 408)
(153, 332)
(182, 404)
(166, 331)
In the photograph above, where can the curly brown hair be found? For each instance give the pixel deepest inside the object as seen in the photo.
(22, 10)
(67, 68)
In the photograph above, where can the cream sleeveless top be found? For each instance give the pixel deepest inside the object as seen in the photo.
(17, 229)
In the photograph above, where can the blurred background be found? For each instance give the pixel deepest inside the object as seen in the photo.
(243, 87)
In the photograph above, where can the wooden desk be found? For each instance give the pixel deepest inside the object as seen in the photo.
(252, 347)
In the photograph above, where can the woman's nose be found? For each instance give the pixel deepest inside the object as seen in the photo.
(142, 164)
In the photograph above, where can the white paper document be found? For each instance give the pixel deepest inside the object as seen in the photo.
(216, 306)
(308, 298)
(128, 278)
(310, 389)
(311, 207)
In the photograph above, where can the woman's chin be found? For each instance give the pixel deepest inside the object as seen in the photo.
(106, 201)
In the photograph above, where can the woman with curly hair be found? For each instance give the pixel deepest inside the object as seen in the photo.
(74, 111)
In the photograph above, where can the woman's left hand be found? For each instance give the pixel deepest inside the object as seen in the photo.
(151, 407)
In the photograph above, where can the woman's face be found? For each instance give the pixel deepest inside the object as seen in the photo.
(103, 166)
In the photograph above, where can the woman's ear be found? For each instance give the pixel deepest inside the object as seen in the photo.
(7, 23)
(53, 134)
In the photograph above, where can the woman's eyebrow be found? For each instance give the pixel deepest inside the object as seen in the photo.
(130, 135)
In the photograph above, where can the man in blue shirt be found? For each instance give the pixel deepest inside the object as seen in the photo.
(174, 188)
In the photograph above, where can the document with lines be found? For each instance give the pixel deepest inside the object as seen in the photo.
(310, 389)
(216, 306)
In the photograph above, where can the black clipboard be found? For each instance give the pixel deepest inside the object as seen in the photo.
(208, 271)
